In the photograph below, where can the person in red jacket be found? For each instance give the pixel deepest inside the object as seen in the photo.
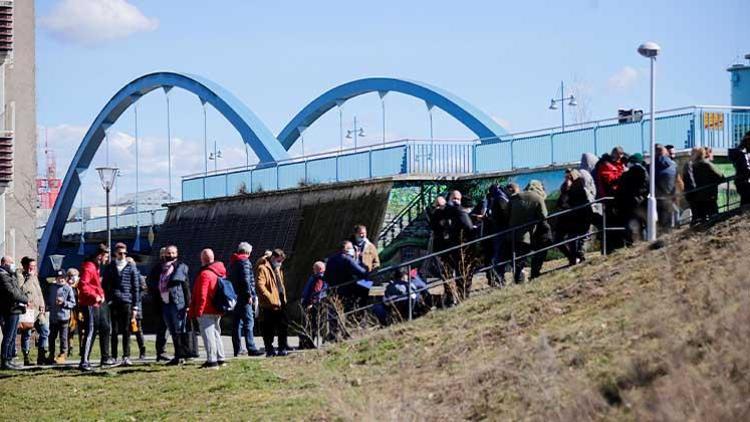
(608, 171)
(93, 306)
(202, 308)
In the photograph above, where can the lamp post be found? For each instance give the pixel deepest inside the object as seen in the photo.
(57, 261)
(107, 176)
(357, 132)
(571, 102)
(650, 50)
(215, 156)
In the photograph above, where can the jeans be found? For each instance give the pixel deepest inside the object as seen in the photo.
(175, 320)
(42, 329)
(242, 326)
(275, 322)
(58, 328)
(10, 329)
(121, 314)
(211, 333)
(95, 321)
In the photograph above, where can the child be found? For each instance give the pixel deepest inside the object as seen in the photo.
(75, 317)
(62, 300)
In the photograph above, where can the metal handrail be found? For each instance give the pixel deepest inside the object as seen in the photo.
(407, 209)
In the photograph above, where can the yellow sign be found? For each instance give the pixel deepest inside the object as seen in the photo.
(713, 120)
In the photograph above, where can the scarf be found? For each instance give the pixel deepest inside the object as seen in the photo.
(166, 272)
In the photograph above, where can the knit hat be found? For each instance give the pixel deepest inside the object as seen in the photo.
(636, 158)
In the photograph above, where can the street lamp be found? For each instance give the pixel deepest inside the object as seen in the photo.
(571, 102)
(357, 132)
(57, 261)
(107, 176)
(650, 50)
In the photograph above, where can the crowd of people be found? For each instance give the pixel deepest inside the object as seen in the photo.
(106, 298)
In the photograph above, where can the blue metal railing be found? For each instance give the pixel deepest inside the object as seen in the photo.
(719, 127)
(99, 224)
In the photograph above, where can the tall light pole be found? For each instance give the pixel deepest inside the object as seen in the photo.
(650, 50)
(107, 176)
(358, 132)
(571, 102)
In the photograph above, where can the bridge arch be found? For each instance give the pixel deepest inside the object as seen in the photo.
(252, 130)
(474, 119)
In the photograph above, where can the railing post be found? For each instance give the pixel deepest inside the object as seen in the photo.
(337, 168)
(552, 148)
(604, 228)
(596, 144)
(251, 182)
(512, 160)
(643, 144)
(409, 292)
(474, 158)
(513, 252)
(369, 159)
(277, 177)
(702, 128)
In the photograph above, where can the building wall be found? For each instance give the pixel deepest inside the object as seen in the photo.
(20, 76)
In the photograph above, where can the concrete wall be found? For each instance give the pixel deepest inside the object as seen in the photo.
(307, 223)
(20, 74)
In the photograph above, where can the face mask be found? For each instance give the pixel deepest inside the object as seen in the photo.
(359, 239)
(275, 264)
(12, 268)
(456, 202)
(350, 252)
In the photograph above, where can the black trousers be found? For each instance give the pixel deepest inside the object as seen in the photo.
(95, 321)
(161, 328)
(275, 323)
(121, 314)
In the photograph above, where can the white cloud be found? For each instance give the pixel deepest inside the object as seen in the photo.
(93, 22)
(623, 78)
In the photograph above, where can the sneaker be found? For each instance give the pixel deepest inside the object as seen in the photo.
(270, 353)
(210, 365)
(8, 365)
(108, 362)
(126, 361)
(282, 352)
(163, 358)
(254, 352)
(85, 367)
(176, 362)
(221, 363)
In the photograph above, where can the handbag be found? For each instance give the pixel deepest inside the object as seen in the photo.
(27, 319)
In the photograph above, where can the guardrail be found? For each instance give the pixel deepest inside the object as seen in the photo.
(719, 127)
(99, 224)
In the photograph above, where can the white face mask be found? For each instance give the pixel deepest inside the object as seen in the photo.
(350, 252)
(275, 264)
(12, 268)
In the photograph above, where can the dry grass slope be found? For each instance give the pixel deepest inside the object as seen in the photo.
(644, 335)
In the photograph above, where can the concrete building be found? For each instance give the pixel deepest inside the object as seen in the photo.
(18, 141)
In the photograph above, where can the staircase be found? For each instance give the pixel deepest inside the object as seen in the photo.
(413, 211)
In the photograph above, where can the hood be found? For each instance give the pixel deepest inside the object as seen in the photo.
(218, 268)
(663, 162)
(238, 257)
(536, 187)
(588, 162)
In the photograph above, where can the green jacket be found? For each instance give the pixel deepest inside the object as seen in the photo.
(526, 207)
(706, 174)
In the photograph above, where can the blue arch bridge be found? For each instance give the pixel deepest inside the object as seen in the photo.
(493, 151)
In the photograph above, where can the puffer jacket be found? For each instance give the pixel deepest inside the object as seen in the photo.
(269, 296)
(10, 294)
(124, 286)
(204, 289)
(242, 277)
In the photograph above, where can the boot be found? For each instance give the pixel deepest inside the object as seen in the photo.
(41, 357)
(60, 359)
(26, 359)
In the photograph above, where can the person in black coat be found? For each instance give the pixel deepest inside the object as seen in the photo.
(452, 226)
(12, 304)
(574, 223)
(740, 158)
(243, 315)
(630, 199)
(157, 306)
(173, 289)
(122, 290)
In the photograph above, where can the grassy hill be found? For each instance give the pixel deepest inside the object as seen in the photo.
(645, 334)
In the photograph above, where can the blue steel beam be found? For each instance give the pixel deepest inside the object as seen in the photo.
(477, 121)
(251, 128)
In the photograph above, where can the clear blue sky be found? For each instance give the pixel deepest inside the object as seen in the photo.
(506, 58)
